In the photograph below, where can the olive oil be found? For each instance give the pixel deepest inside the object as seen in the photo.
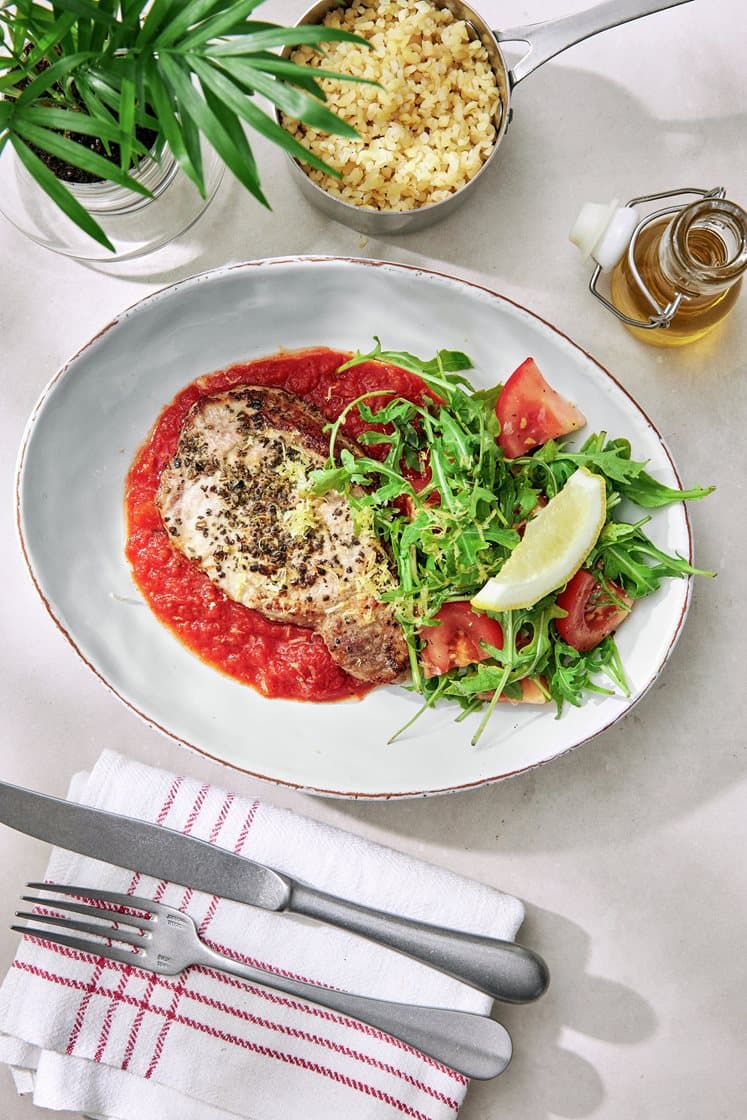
(700, 254)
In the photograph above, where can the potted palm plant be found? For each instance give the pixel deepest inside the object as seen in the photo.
(109, 108)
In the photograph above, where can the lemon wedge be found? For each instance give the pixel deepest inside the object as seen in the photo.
(554, 546)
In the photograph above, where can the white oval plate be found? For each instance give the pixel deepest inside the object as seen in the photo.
(97, 410)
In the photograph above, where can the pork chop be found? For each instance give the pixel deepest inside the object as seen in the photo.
(235, 499)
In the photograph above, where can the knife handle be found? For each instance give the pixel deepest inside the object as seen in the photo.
(501, 969)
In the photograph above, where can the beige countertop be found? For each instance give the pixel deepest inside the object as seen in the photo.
(628, 851)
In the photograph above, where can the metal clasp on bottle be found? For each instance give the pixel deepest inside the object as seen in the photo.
(662, 316)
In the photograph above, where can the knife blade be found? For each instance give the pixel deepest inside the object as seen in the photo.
(502, 969)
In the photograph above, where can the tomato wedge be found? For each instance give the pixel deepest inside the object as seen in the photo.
(594, 610)
(455, 642)
(531, 412)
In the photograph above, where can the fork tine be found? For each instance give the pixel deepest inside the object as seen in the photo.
(94, 928)
(133, 902)
(90, 911)
(124, 956)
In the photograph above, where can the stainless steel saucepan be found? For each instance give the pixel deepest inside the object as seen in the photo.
(544, 41)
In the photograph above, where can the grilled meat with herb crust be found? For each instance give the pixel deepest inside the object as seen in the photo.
(235, 500)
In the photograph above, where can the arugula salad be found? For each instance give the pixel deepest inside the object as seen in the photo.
(450, 485)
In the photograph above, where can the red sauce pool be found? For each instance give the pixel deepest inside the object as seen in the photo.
(277, 659)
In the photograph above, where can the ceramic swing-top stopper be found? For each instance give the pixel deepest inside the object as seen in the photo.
(603, 231)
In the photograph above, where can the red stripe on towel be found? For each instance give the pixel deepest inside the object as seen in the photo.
(312, 1009)
(143, 1005)
(186, 898)
(213, 906)
(182, 990)
(157, 896)
(162, 815)
(96, 974)
(263, 993)
(245, 1044)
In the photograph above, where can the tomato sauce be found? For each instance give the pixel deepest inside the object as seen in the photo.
(278, 660)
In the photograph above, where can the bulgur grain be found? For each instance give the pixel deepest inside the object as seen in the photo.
(428, 130)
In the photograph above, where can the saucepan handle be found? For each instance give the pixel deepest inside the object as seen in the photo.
(550, 38)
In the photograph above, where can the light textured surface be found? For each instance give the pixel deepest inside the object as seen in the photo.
(627, 851)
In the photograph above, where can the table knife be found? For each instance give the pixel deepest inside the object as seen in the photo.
(501, 969)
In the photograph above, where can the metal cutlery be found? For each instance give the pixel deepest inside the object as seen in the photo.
(161, 939)
(502, 969)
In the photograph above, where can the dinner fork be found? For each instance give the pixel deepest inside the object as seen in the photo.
(156, 937)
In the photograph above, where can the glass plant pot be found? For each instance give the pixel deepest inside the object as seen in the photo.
(135, 225)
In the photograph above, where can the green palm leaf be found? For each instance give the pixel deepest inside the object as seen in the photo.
(260, 121)
(184, 17)
(55, 73)
(264, 39)
(126, 121)
(91, 100)
(191, 136)
(59, 194)
(97, 12)
(180, 81)
(163, 103)
(103, 36)
(84, 33)
(18, 28)
(159, 11)
(232, 125)
(303, 75)
(132, 10)
(57, 32)
(12, 78)
(187, 69)
(225, 23)
(294, 102)
(75, 154)
(68, 120)
(109, 96)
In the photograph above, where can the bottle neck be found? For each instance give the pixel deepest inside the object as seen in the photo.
(703, 250)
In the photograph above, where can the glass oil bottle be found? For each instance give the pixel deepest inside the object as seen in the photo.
(675, 274)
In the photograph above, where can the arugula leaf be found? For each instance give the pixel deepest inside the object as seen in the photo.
(441, 372)
(646, 492)
(623, 552)
(612, 458)
(462, 520)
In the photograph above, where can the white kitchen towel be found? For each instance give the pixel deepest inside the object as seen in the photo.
(112, 1040)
